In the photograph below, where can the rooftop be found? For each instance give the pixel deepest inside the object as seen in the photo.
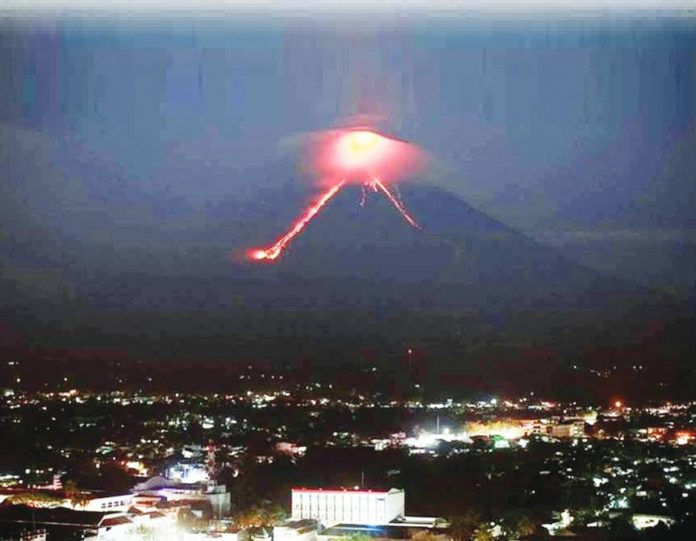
(343, 490)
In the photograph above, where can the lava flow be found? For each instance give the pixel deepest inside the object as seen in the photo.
(394, 201)
(353, 156)
(274, 251)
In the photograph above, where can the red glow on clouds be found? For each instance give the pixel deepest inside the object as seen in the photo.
(356, 156)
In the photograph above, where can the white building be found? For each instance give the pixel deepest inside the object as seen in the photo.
(642, 521)
(118, 503)
(348, 506)
(572, 428)
(172, 491)
(189, 472)
(296, 530)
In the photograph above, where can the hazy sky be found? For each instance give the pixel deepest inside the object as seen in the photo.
(521, 116)
(576, 130)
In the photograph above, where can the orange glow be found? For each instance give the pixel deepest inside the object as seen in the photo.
(684, 437)
(258, 254)
(618, 404)
(356, 156)
(274, 251)
(509, 429)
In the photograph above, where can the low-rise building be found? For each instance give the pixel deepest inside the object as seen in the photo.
(113, 503)
(62, 523)
(328, 514)
(569, 428)
(641, 521)
(334, 506)
(296, 530)
(169, 490)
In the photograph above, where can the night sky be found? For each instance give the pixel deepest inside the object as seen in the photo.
(138, 155)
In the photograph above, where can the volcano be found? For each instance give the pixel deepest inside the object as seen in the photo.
(172, 279)
(359, 254)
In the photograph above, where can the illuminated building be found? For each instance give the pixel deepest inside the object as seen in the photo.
(349, 506)
(188, 472)
(213, 495)
(510, 429)
(291, 449)
(642, 521)
(572, 428)
(63, 523)
(111, 503)
(684, 437)
(656, 432)
(296, 530)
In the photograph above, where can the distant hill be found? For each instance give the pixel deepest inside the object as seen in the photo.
(92, 258)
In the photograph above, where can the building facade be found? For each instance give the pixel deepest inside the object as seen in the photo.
(296, 530)
(347, 506)
(571, 428)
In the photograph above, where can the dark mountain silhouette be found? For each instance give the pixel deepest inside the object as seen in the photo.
(349, 256)
(91, 258)
(461, 257)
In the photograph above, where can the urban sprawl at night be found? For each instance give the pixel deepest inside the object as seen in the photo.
(287, 459)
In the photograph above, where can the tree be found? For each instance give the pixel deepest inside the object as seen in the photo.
(359, 537)
(427, 535)
(483, 533)
(258, 516)
(34, 499)
(462, 527)
(74, 495)
(275, 514)
(249, 518)
(621, 529)
(516, 524)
